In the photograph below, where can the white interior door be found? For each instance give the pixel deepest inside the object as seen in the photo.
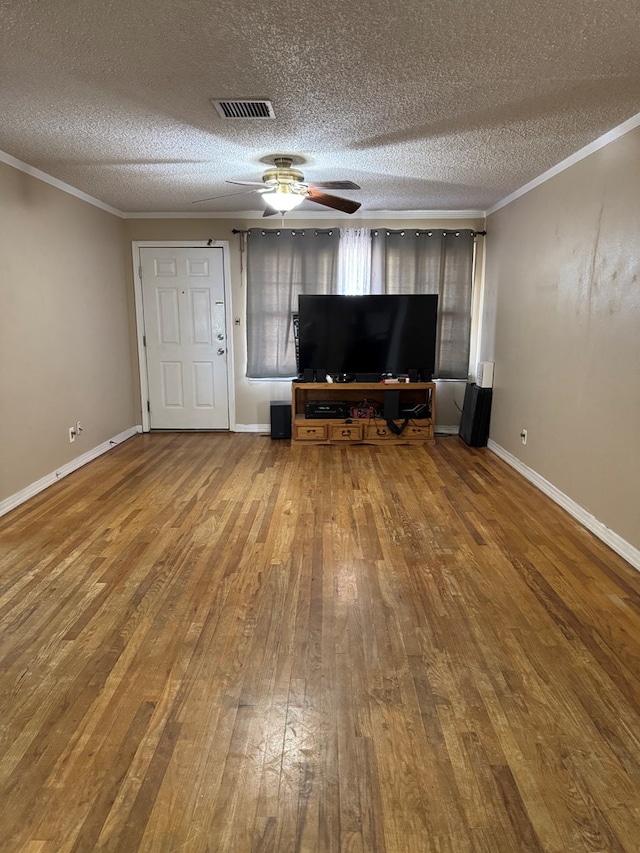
(185, 334)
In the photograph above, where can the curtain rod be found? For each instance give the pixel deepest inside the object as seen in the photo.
(326, 230)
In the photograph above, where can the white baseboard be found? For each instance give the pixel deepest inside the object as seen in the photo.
(627, 551)
(252, 428)
(69, 467)
(447, 430)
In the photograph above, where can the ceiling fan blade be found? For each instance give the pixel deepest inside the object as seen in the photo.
(333, 185)
(247, 183)
(228, 195)
(343, 204)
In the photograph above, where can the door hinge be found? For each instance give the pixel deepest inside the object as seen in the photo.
(144, 340)
(148, 406)
(140, 271)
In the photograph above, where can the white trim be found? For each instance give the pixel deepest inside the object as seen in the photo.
(30, 491)
(252, 428)
(478, 309)
(363, 214)
(140, 347)
(477, 303)
(54, 182)
(627, 551)
(136, 245)
(256, 380)
(594, 146)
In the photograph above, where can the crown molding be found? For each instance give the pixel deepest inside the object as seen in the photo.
(368, 215)
(596, 145)
(54, 182)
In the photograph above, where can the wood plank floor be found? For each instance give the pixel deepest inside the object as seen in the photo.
(218, 643)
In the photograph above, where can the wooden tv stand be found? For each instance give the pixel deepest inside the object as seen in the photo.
(362, 430)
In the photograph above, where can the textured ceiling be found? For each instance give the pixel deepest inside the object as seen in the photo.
(426, 105)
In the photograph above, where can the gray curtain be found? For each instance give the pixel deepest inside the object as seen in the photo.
(282, 264)
(436, 261)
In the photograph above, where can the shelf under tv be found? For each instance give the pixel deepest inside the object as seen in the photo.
(377, 429)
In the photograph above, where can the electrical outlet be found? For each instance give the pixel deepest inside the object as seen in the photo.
(72, 435)
(523, 436)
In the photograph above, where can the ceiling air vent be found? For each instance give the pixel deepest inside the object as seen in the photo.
(244, 108)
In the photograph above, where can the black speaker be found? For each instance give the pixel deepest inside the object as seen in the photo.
(476, 415)
(308, 374)
(391, 405)
(413, 375)
(321, 374)
(280, 419)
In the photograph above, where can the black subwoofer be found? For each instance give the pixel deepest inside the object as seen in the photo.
(280, 419)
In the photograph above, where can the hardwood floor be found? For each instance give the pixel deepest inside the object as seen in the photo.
(218, 643)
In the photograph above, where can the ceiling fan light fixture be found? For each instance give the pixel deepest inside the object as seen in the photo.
(283, 199)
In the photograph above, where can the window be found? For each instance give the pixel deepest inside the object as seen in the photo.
(285, 263)
(280, 266)
(439, 262)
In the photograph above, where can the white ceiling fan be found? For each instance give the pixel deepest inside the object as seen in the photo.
(283, 188)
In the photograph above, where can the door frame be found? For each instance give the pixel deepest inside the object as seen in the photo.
(136, 245)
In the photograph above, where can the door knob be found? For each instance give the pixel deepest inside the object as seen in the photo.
(220, 351)
(220, 337)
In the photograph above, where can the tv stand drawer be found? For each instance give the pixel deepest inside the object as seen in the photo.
(309, 432)
(345, 432)
(412, 431)
(379, 430)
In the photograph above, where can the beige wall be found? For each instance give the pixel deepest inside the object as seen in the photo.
(64, 344)
(252, 398)
(562, 312)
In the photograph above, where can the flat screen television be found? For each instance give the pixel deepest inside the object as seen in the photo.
(368, 334)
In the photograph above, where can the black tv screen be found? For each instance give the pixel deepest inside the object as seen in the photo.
(368, 334)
